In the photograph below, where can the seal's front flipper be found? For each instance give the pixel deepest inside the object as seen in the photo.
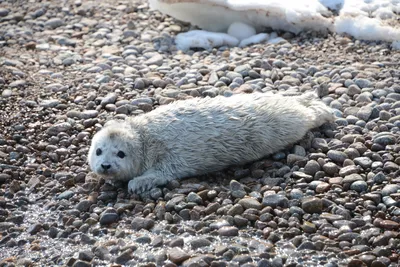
(146, 182)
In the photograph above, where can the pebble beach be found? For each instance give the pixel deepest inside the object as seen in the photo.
(66, 67)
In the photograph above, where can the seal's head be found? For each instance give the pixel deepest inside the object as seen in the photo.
(115, 152)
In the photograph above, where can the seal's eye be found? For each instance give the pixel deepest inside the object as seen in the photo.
(121, 154)
(98, 152)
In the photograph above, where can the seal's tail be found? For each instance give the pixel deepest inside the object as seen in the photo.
(317, 112)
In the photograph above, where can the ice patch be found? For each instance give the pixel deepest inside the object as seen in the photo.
(333, 4)
(204, 39)
(396, 45)
(241, 30)
(255, 39)
(276, 40)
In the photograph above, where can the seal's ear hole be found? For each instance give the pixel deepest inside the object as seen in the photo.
(121, 154)
(98, 152)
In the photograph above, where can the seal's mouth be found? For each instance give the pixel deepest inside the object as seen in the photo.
(106, 174)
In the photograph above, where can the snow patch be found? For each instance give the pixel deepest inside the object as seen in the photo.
(365, 28)
(242, 19)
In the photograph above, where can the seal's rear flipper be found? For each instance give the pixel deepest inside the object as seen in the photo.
(318, 112)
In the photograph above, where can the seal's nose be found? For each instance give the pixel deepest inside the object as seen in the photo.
(106, 166)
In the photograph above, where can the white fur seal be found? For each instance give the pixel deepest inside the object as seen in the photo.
(201, 135)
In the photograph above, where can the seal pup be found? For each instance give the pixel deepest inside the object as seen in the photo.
(201, 135)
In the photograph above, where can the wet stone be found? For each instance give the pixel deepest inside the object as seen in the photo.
(143, 240)
(177, 255)
(35, 228)
(312, 205)
(142, 223)
(390, 225)
(124, 257)
(228, 231)
(200, 242)
(86, 255)
(83, 205)
(306, 245)
(176, 242)
(81, 263)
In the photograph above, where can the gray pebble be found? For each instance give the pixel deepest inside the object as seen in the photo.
(364, 162)
(275, 200)
(379, 178)
(156, 59)
(86, 255)
(54, 23)
(390, 189)
(4, 12)
(109, 99)
(193, 197)
(359, 186)
(312, 167)
(58, 128)
(337, 156)
(108, 216)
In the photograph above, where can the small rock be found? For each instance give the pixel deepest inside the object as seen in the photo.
(250, 203)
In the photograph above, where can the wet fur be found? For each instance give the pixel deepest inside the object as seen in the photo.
(201, 135)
